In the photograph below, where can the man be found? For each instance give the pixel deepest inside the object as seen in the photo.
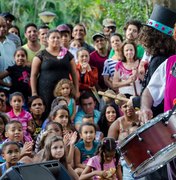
(109, 27)
(32, 46)
(79, 33)
(87, 104)
(42, 32)
(98, 57)
(7, 49)
(9, 19)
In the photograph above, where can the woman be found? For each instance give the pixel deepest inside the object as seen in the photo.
(50, 66)
(125, 75)
(116, 41)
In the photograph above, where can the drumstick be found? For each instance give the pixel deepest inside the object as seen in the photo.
(113, 96)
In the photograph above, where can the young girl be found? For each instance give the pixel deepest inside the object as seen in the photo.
(86, 147)
(19, 74)
(19, 114)
(65, 88)
(3, 121)
(109, 114)
(126, 75)
(37, 108)
(55, 150)
(105, 164)
(87, 75)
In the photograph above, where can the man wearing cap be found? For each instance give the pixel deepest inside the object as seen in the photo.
(65, 35)
(42, 32)
(79, 33)
(9, 19)
(109, 26)
(98, 57)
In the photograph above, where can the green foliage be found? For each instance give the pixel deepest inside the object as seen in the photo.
(90, 12)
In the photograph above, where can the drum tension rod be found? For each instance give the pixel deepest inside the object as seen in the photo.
(139, 138)
(149, 153)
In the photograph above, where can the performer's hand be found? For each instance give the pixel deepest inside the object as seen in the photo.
(145, 115)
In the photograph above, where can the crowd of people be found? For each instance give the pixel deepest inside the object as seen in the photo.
(50, 108)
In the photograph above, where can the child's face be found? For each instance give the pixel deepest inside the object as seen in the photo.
(75, 44)
(20, 58)
(54, 128)
(3, 96)
(2, 126)
(65, 90)
(62, 117)
(65, 39)
(37, 107)
(129, 51)
(57, 149)
(11, 154)
(83, 57)
(109, 156)
(16, 102)
(110, 114)
(15, 132)
(88, 133)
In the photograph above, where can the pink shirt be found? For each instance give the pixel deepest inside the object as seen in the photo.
(24, 117)
(94, 162)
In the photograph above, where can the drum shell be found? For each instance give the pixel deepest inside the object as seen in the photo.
(154, 138)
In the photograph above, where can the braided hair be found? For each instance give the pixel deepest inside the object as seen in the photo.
(107, 145)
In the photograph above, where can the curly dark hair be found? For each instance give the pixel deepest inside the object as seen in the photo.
(134, 22)
(156, 42)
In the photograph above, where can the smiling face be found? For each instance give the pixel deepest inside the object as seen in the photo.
(83, 57)
(129, 51)
(78, 32)
(42, 36)
(110, 114)
(20, 58)
(3, 28)
(31, 34)
(11, 154)
(57, 150)
(127, 110)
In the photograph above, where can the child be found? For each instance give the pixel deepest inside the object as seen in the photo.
(105, 164)
(55, 150)
(65, 88)
(87, 75)
(3, 121)
(86, 147)
(18, 113)
(19, 74)
(108, 115)
(11, 153)
(37, 108)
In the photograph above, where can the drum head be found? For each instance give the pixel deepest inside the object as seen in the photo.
(159, 160)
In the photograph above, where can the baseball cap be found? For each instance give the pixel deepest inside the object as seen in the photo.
(63, 27)
(109, 22)
(8, 15)
(98, 34)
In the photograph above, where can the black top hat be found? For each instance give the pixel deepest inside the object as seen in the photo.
(162, 19)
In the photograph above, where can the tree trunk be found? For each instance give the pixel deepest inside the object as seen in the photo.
(168, 3)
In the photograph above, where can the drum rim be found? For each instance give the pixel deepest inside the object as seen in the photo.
(141, 129)
(156, 167)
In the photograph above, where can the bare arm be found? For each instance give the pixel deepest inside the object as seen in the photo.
(36, 63)
(114, 130)
(74, 77)
(107, 81)
(72, 173)
(146, 104)
(74, 112)
(78, 159)
(2, 76)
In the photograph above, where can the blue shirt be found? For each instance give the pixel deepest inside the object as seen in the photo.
(80, 114)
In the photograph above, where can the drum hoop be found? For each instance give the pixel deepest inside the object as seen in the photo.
(141, 129)
(168, 148)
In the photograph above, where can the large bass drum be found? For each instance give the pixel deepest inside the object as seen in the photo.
(151, 146)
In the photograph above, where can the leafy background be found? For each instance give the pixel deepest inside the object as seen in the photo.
(89, 12)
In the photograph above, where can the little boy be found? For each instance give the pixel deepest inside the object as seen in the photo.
(11, 153)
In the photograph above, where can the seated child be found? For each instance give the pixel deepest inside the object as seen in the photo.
(11, 154)
(86, 147)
